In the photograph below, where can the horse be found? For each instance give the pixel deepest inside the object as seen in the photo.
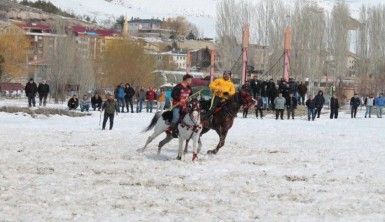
(191, 124)
(190, 129)
(223, 117)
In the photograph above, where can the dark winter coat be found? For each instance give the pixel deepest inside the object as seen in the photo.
(319, 100)
(291, 103)
(31, 89)
(284, 89)
(110, 107)
(130, 92)
(264, 91)
(96, 101)
(271, 90)
(255, 86)
(293, 87)
(355, 102)
(73, 103)
(334, 104)
(43, 89)
(310, 104)
(302, 89)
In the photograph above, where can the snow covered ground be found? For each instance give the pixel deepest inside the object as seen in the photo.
(61, 168)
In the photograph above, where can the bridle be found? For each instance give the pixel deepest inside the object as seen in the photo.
(194, 105)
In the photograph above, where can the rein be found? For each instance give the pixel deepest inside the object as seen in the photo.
(195, 127)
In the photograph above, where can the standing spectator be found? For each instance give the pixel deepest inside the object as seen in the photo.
(255, 86)
(259, 107)
(369, 103)
(120, 94)
(380, 103)
(272, 92)
(109, 107)
(161, 100)
(334, 107)
(150, 97)
(30, 92)
(355, 102)
(284, 89)
(311, 108)
(141, 97)
(319, 103)
(279, 104)
(73, 103)
(130, 93)
(302, 90)
(96, 102)
(291, 106)
(293, 87)
(43, 91)
(85, 104)
(264, 95)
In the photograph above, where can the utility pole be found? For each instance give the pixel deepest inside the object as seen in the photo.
(287, 49)
(245, 50)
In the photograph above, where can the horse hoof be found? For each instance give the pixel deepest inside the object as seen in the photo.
(195, 157)
(211, 152)
(178, 158)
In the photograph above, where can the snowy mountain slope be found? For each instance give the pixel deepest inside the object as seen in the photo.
(200, 12)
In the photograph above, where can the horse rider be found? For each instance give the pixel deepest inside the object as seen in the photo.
(223, 89)
(180, 95)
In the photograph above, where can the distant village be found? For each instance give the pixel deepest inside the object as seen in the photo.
(174, 54)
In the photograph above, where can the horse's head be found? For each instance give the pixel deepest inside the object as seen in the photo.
(194, 108)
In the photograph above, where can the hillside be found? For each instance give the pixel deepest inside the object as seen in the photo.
(200, 12)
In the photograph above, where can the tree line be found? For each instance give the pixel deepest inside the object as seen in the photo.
(322, 40)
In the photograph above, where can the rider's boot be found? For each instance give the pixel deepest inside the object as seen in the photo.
(173, 130)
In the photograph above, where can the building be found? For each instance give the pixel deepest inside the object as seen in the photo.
(136, 24)
(201, 59)
(177, 58)
(172, 77)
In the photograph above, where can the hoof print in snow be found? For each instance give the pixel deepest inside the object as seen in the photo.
(295, 178)
(101, 182)
(45, 170)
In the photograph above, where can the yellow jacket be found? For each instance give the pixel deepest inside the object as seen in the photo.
(220, 86)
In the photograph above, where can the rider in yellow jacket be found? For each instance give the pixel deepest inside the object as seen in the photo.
(222, 89)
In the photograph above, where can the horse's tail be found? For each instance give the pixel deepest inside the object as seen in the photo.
(153, 122)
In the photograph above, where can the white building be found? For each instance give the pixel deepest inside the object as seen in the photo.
(173, 77)
(178, 58)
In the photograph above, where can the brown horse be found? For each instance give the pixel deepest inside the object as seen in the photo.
(223, 118)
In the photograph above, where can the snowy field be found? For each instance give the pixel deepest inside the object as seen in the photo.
(66, 169)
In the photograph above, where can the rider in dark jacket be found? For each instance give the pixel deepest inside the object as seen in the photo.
(180, 95)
